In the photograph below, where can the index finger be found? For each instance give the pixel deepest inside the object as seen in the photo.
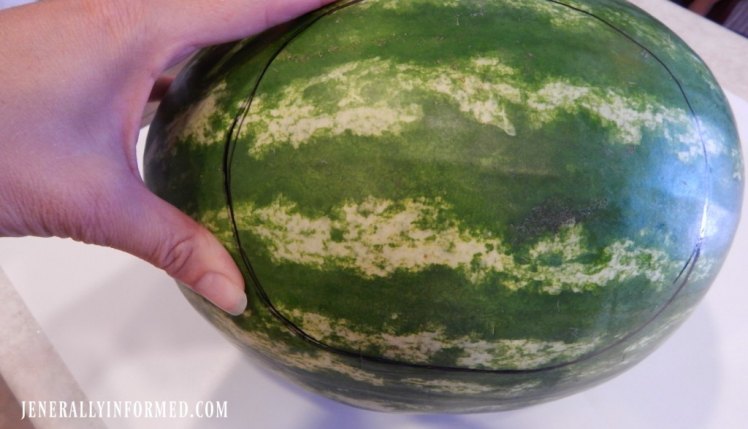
(188, 24)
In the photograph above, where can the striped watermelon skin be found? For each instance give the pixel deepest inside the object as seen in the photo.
(455, 206)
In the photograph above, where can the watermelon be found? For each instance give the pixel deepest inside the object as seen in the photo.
(455, 206)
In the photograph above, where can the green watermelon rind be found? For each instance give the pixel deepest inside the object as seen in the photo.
(362, 377)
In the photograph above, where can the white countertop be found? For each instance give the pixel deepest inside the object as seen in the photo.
(126, 334)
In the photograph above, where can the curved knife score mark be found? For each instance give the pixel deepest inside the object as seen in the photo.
(680, 281)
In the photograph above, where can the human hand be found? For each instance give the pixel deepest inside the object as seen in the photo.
(74, 80)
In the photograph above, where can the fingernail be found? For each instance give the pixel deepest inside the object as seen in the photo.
(217, 289)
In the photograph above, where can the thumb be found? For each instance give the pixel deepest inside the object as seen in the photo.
(157, 232)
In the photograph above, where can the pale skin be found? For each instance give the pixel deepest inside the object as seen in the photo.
(74, 81)
(702, 7)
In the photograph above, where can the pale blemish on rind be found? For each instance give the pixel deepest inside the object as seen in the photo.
(378, 237)
(376, 97)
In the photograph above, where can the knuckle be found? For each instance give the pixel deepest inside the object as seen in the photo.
(176, 256)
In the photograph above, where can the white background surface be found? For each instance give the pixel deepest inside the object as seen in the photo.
(10, 3)
(127, 334)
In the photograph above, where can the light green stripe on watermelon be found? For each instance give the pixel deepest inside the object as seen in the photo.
(426, 345)
(375, 96)
(405, 6)
(459, 387)
(312, 362)
(377, 237)
(204, 121)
